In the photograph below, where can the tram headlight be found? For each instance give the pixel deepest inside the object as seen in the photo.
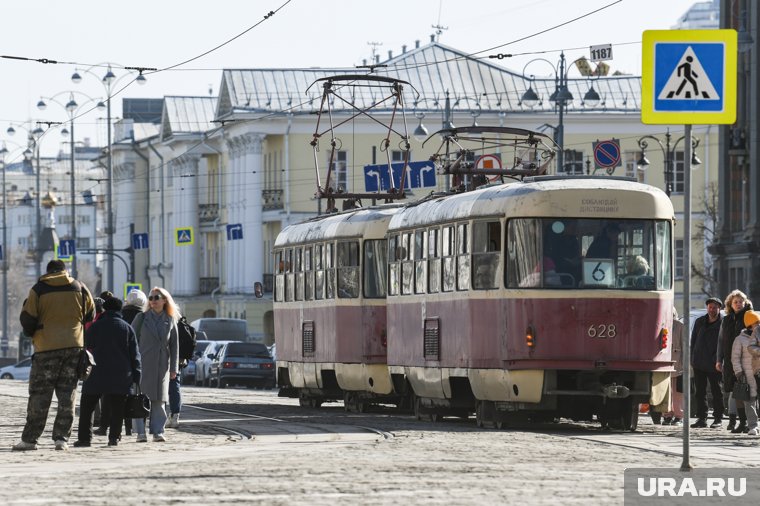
(530, 337)
(663, 338)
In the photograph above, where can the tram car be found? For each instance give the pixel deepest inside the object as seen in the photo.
(548, 297)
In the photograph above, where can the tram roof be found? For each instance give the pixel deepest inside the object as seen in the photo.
(581, 197)
(369, 223)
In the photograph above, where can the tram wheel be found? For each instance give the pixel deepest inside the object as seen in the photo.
(479, 418)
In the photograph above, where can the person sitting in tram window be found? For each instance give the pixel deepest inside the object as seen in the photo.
(638, 273)
(605, 243)
(563, 246)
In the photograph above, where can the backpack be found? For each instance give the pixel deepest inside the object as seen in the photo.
(187, 339)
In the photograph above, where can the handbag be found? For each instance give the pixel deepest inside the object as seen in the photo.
(85, 364)
(137, 406)
(741, 390)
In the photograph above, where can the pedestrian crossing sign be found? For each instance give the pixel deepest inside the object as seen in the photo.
(688, 77)
(183, 236)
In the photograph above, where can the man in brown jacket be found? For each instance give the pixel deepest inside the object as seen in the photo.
(54, 315)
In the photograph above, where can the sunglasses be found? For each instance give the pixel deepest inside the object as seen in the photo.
(155, 297)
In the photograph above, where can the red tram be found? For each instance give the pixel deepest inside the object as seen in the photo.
(550, 297)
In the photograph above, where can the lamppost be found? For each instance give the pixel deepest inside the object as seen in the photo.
(668, 156)
(109, 81)
(560, 97)
(71, 107)
(34, 138)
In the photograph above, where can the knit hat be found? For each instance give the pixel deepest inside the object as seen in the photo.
(137, 298)
(751, 318)
(714, 300)
(112, 304)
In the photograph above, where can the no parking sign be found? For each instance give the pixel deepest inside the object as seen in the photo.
(607, 155)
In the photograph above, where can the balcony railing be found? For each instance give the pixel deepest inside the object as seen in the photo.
(208, 212)
(271, 199)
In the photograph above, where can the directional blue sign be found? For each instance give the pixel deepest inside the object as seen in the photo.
(66, 249)
(234, 231)
(419, 175)
(140, 241)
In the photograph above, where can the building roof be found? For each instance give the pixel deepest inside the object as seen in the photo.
(472, 83)
(187, 116)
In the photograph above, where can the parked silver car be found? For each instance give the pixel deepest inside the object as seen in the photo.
(203, 363)
(19, 371)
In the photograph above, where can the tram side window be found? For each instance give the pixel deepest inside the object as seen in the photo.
(419, 262)
(486, 242)
(308, 268)
(289, 276)
(394, 269)
(447, 250)
(329, 272)
(298, 267)
(319, 273)
(279, 287)
(523, 253)
(434, 261)
(375, 268)
(664, 258)
(348, 269)
(463, 257)
(407, 264)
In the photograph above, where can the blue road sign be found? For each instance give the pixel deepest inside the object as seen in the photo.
(183, 236)
(128, 287)
(688, 77)
(140, 241)
(66, 249)
(234, 231)
(419, 175)
(607, 154)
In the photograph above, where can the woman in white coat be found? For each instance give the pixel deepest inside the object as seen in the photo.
(745, 360)
(156, 331)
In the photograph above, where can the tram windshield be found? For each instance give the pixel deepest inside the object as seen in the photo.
(588, 253)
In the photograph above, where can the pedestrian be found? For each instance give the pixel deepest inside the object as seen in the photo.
(675, 415)
(736, 305)
(746, 365)
(156, 331)
(136, 303)
(704, 346)
(54, 315)
(117, 366)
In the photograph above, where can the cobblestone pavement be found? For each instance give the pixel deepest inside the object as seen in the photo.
(240, 446)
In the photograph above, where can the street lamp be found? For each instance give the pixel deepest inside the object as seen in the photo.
(34, 141)
(560, 97)
(71, 107)
(109, 82)
(668, 156)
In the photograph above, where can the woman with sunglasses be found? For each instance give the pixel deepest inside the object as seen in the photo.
(156, 331)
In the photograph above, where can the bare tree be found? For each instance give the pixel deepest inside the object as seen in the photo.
(705, 234)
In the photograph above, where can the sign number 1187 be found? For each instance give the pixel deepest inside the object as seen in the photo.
(600, 53)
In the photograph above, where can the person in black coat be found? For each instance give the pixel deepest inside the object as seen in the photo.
(736, 305)
(704, 347)
(117, 367)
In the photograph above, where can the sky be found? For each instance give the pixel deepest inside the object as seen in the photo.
(82, 34)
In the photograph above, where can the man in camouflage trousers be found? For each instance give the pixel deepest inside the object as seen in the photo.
(54, 315)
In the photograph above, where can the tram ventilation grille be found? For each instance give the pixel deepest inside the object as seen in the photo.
(432, 338)
(307, 336)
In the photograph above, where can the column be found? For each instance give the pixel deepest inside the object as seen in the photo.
(186, 258)
(230, 192)
(125, 203)
(252, 212)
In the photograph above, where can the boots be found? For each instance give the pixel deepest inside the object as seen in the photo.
(731, 422)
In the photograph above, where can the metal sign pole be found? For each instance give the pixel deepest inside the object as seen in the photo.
(685, 336)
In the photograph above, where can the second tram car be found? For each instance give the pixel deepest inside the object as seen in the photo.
(551, 297)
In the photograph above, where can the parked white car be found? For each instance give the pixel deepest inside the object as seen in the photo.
(19, 371)
(203, 363)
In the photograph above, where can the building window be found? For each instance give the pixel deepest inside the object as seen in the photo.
(339, 177)
(573, 163)
(631, 159)
(678, 172)
(679, 258)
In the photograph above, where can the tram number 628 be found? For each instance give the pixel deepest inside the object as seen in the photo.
(602, 331)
